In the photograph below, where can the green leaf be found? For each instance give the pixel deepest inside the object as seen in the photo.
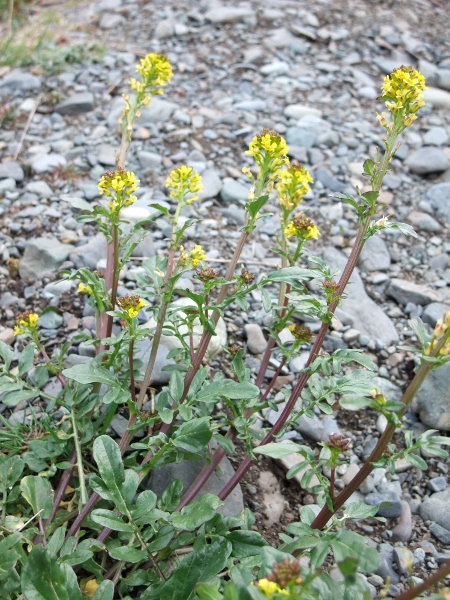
(348, 544)
(404, 228)
(91, 372)
(198, 567)
(105, 591)
(162, 209)
(228, 388)
(26, 359)
(107, 518)
(143, 511)
(416, 461)
(279, 450)
(246, 543)
(176, 385)
(267, 302)
(209, 592)
(8, 556)
(192, 436)
(120, 485)
(55, 543)
(195, 514)
(127, 554)
(44, 579)
(78, 203)
(354, 402)
(291, 275)
(360, 510)
(254, 207)
(38, 492)
(368, 166)
(7, 354)
(14, 398)
(10, 471)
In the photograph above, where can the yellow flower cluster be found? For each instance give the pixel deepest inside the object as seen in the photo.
(402, 92)
(155, 70)
(269, 150)
(196, 255)
(119, 185)
(441, 328)
(293, 185)
(84, 289)
(25, 322)
(303, 226)
(131, 305)
(184, 181)
(269, 588)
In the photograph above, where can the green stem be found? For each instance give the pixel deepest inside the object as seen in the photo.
(83, 493)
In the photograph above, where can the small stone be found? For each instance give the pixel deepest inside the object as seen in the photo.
(20, 80)
(440, 533)
(7, 336)
(297, 111)
(228, 14)
(402, 532)
(41, 188)
(438, 98)
(427, 160)
(403, 558)
(43, 163)
(50, 320)
(434, 311)
(375, 255)
(212, 184)
(88, 255)
(436, 136)
(234, 192)
(11, 170)
(149, 160)
(437, 508)
(107, 155)
(439, 197)
(256, 341)
(404, 291)
(393, 511)
(423, 221)
(386, 569)
(437, 484)
(111, 21)
(77, 104)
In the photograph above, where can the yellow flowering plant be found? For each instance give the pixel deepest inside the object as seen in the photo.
(112, 424)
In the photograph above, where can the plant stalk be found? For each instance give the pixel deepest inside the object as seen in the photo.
(430, 582)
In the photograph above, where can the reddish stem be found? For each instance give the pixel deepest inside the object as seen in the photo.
(273, 380)
(417, 590)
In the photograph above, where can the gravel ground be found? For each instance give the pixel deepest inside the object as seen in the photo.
(312, 74)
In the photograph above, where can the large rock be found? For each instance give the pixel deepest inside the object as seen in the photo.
(375, 255)
(437, 508)
(42, 163)
(404, 291)
(43, 256)
(432, 401)
(77, 104)
(368, 318)
(427, 159)
(434, 311)
(439, 197)
(159, 376)
(438, 98)
(187, 471)
(89, 254)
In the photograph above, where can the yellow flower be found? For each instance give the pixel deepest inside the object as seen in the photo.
(184, 181)
(84, 289)
(402, 92)
(90, 588)
(269, 588)
(293, 185)
(131, 305)
(302, 226)
(269, 150)
(197, 255)
(26, 322)
(119, 185)
(155, 70)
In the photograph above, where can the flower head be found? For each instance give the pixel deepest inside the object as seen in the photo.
(293, 185)
(269, 588)
(285, 572)
(246, 276)
(302, 226)
(131, 305)
(402, 92)
(184, 181)
(207, 274)
(26, 322)
(119, 186)
(269, 150)
(337, 441)
(197, 254)
(156, 72)
(301, 332)
(85, 289)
